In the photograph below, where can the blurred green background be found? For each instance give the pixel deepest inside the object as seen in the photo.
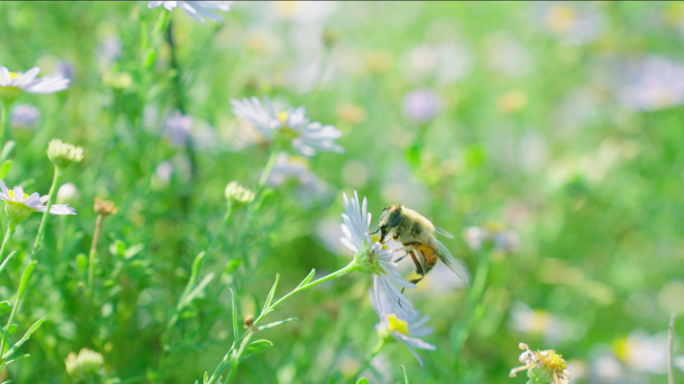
(559, 121)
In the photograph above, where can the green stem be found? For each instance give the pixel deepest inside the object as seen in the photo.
(480, 279)
(378, 347)
(91, 256)
(4, 120)
(43, 222)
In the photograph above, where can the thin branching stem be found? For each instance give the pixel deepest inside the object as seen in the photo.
(91, 256)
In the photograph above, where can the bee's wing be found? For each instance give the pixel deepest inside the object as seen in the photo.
(446, 257)
(444, 232)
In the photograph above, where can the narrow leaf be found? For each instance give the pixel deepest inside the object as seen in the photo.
(6, 150)
(7, 259)
(257, 346)
(22, 357)
(277, 323)
(362, 380)
(200, 287)
(307, 279)
(25, 278)
(235, 318)
(269, 299)
(405, 377)
(4, 307)
(28, 334)
(4, 168)
(232, 265)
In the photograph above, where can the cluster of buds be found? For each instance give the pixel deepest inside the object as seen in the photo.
(491, 232)
(543, 367)
(62, 154)
(238, 195)
(85, 366)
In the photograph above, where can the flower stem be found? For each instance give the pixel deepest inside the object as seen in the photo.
(378, 347)
(4, 120)
(43, 222)
(91, 256)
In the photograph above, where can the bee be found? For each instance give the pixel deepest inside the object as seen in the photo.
(417, 234)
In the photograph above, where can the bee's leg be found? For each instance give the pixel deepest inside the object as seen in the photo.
(419, 269)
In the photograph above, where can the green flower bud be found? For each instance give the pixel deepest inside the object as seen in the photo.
(366, 261)
(62, 154)
(238, 195)
(9, 94)
(84, 366)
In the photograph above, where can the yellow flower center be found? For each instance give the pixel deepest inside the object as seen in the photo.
(397, 324)
(11, 193)
(282, 116)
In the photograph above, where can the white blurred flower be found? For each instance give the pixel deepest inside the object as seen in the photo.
(652, 83)
(197, 10)
(446, 63)
(573, 23)
(163, 172)
(491, 232)
(644, 353)
(12, 83)
(67, 193)
(405, 330)
(306, 137)
(63, 69)
(302, 11)
(535, 322)
(178, 127)
(421, 105)
(24, 116)
(109, 50)
(372, 256)
(311, 187)
(19, 205)
(507, 56)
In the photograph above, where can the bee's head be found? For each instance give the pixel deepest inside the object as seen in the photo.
(389, 219)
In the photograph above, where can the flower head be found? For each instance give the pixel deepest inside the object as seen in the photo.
(62, 154)
(238, 195)
(543, 367)
(19, 206)
(104, 207)
(652, 83)
(491, 232)
(421, 105)
(305, 137)
(402, 329)
(84, 366)
(13, 83)
(197, 10)
(373, 257)
(178, 128)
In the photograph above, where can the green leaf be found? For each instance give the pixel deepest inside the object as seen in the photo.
(235, 318)
(200, 287)
(269, 299)
(28, 334)
(265, 195)
(307, 279)
(405, 377)
(6, 150)
(277, 323)
(82, 262)
(362, 380)
(132, 251)
(257, 346)
(232, 265)
(7, 259)
(4, 168)
(12, 330)
(25, 278)
(4, 307)
(22, 357)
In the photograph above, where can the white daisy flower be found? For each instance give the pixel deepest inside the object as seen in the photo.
(196, 9)
(307, 137)
(401, 329)
(19, 205)
(12, 83)
(372, 256)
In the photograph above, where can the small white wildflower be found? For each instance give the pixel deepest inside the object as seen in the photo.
(572, 23)
(197, 10)
(62, 154)
(178, 128)
(13, 83)
(306, 137)
(543, 367)
(19, 206)
(67, 193)
(401, 329)
(373, 257)
(491, 232)
(652, 83)
(84, 366)
(237, 194)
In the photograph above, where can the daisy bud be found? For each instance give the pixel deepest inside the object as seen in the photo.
(238, 195)
(67, 193)
(543, 367)
(84, 366)
(62, 154)
(104, 207)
